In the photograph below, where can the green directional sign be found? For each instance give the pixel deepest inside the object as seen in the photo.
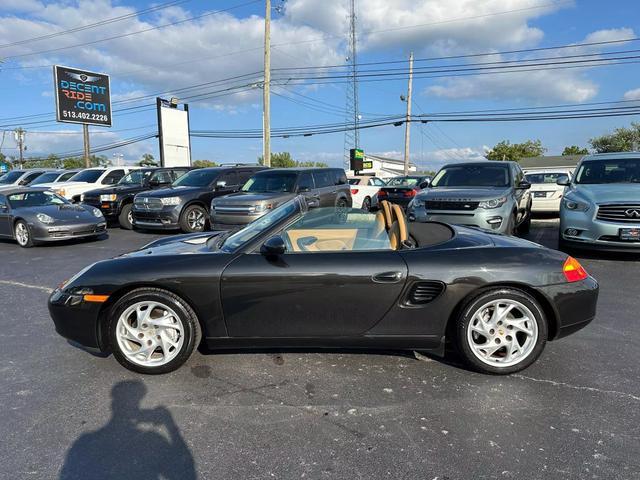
(357, 161)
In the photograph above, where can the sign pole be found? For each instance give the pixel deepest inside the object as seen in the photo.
(87, 147)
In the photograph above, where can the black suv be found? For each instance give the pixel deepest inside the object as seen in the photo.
(324, 187)
(116, 202)
(185, 205)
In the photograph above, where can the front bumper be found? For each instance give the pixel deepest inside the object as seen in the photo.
(76, 322)
(594, 234)
(53, 233)
(108, 209)
(167, 218)
(546, 205)
(238, 220)
(574, 305)
(495, 220)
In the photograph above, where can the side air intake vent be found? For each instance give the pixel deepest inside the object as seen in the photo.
(424, 292)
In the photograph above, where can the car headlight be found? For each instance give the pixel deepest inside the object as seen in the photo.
(416, 203)
(575, 205)
(106, 198)
(170, 201)
(61, 192)
(493, 203)
(97, 213)
(44, 218)
(263, 207)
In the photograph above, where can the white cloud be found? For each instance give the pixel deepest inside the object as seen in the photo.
(609, 35)
(632, 94)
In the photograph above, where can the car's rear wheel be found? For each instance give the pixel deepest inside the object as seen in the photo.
(193, 219)
(153, 331)
(501, 331)
(23, 234)
(126, 217)
(366, 204)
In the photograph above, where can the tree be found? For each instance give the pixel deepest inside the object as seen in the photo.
(574, 150)
(147, 161)
(284, 160)
(506, 150)
(621, 140)
(203, 164)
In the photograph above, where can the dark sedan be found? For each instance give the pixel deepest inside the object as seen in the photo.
(33, 215)
(402, 190)
(327, 277)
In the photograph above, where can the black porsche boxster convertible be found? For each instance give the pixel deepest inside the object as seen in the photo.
(318, 277)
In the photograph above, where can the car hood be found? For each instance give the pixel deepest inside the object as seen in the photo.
(462, 194)
(241, 198)
(606, 193)
(178, 245)
(61, 213)
(115, 189)
(174, 191)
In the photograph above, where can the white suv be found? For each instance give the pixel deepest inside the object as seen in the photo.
(88, 179)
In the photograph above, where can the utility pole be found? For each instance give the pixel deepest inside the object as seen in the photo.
(266, 94)
(352, 136)
(407, 125)
(87, 148)
(19, 135)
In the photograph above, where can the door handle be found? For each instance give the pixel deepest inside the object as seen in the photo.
(387, 277)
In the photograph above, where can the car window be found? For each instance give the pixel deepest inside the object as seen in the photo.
(66, 176)
(88, 176)
(323, 178)
(30, 177)
(376, 182)
(305, 181)
(135, 177)
(546, 177)
(175, 174)
(3, 202)
(244, 174)
(472, 176)
(197, 178)
(162, 177)
(230, 178)
(331, 230)
(113, 177)
(339, 177)
(403, 182)
(35, 199)
(10, 177)
(354, 181)
(45, 178)
(271, 182)
(619, 170)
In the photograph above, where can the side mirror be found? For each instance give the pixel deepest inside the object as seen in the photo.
(524, 185)
(273, 246)
(221, 184)
(424, 185)
(3, 208)
(303, 189)
(23, 182)
(154, 182)
(563, 183)
(313, 202)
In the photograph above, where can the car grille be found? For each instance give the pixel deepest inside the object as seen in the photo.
(450, 205)
(91, 200)
(148, 203)
(625, 213)
(425, 292)
(235, 209)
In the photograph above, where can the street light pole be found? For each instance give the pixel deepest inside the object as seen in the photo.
(266, 94)
(407, 126)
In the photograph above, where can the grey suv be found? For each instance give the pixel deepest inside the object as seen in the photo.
(487, 194)
(324, 187)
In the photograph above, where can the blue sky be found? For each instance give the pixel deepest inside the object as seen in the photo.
(309, 33)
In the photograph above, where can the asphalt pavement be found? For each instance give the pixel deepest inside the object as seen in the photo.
(66, 413)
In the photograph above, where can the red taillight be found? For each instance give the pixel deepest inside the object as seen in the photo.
(354, 191)
(410, 193)
(573, 271)
(382, 193)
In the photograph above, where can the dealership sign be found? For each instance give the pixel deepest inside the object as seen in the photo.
(81, 96)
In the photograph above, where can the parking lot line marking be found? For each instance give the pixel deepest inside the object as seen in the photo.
(578, 387)
(25, 285)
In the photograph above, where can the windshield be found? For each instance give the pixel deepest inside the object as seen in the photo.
(197, 178)
(548, 177)
(256, 227)
(88, 176)
(271, 182)
(621, 170)
(135, 177)
(403, 182)
(35, 199)
(10, 177)
(45, 178)
(472, 176)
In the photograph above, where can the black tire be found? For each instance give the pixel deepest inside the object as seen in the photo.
(125, 217)
(525, 226)
(474, 305)
(366, 204)
(511, 226)
(191, 327)
(24, 241)
(186, 225)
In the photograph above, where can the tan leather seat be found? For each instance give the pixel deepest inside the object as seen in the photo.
(398, 233)
(381, 225)
(386, 212)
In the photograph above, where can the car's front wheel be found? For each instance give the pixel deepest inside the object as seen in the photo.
(193, 219)
(125, 219)
(501, 331)
(366, 204)
(23, 234)
(153, 331)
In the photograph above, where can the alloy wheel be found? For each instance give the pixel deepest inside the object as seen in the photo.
(150, 333)
(502, 333)
(196, 219)
(22, 234)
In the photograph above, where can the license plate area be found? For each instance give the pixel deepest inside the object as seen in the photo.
(630, 234)
(539, 194)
